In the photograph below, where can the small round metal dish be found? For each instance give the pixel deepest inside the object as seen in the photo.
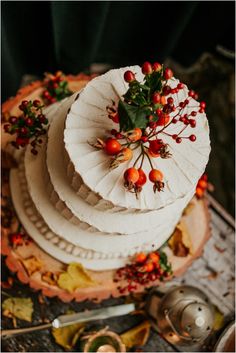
(226, 342)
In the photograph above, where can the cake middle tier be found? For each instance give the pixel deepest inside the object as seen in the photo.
(78, 235)
(77, 210)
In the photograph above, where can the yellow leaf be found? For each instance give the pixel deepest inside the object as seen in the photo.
(75, 277)
(218, 320)
(68, 336)
(180, 241)
(20, 308)
(137, 336)
(32, 264)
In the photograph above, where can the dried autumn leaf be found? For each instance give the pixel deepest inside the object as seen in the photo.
(50, 278)
(137, 336)
(32, 264)
(20, 308)
(68, 336)
(180, 241)
(75, 277)
(188, 209)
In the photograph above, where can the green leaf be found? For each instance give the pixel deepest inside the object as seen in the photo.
(154, 82)
(132, 116)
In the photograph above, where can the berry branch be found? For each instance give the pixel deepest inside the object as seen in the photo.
(142, 115)
(29, 126)
(55, 88)
(145, 269)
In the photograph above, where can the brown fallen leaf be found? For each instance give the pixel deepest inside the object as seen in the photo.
(137, 336)
(32, 264)
(50, 278)
(20, 308)
(69, 335)
(180, 241)
(75, 277)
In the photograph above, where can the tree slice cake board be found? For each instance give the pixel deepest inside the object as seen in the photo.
(196, 221)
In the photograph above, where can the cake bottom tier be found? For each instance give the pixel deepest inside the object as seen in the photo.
(62, 248)
(196, 220)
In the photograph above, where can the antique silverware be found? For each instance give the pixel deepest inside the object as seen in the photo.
(66, 320)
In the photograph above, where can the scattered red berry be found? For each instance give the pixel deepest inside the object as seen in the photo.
(129, 76)
(168, 73)
(144, 138)
(36, 103)
(178, 140)
(191, 93)
(180, 85)
(156, 98)
(192, 122)
(13, 120)
(192, 138)
(148, 267)
(170, 100)
(156, 66)
(147, 68)
(166, 90)
(202, 105)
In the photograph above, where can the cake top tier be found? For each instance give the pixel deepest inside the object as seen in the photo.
(154, 122)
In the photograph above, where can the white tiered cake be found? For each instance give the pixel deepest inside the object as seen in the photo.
(77, 209)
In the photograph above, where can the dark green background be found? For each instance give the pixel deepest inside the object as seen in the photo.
(46, 36)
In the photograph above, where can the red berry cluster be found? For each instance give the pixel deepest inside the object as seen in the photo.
(202, 186)
(29, 126)
(56, 88)
(18, 239)
(147, 110)
(145, 269)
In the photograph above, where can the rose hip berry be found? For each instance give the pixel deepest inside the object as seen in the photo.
(131, 175)
(112, 146)
(155, 175)
(142, 178)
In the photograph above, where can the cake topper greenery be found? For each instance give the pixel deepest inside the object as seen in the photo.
(141, 116)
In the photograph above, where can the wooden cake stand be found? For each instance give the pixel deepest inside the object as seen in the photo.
(36, 273)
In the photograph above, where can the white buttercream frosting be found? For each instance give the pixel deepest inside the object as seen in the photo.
(88, 119)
